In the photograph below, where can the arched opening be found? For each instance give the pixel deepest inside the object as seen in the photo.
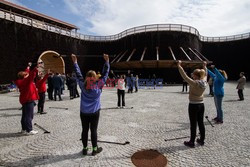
(52, 60)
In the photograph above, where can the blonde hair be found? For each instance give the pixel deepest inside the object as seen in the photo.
(200, 73)
(89, 79)
(224, 74)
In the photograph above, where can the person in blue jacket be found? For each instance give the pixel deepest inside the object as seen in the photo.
(90, 102)
(219, 77)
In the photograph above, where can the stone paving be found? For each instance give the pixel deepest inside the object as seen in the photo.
(156, 115)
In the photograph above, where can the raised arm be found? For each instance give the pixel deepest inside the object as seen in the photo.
(183, 74)
(32, 69)
(105, 71)
(77, 70)
(106, 67)
(218, 74)
(46, 76)
(210, 73)
(204, 66)
(28, 67)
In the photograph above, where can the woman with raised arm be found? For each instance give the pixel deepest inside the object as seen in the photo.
(28, 94)
(219, 77)
(41, 87)
(196, 108)
(90, 102)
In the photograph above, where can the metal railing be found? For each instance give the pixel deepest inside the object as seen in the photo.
(4, 14)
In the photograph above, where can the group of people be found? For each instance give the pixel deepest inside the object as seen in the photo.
(91, 88)
(196, 108)
(56, 86)
(32, 86)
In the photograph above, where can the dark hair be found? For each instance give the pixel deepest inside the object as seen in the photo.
(21, 74)
(122, 76)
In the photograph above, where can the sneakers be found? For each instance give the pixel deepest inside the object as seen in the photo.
(123, 106)
(189, 144)
(85, 151)
(33, 132)
(94, 152)
(200, 142)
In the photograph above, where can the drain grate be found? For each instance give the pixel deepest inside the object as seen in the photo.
(149, 158)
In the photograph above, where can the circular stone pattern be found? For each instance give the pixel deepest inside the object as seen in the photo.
(149, 158)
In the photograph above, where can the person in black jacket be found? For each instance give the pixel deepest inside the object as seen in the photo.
(57, 85)
(50, 86)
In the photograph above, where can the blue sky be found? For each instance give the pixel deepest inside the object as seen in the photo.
(109, 17)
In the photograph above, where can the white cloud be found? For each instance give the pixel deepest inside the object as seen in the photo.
(210, 17)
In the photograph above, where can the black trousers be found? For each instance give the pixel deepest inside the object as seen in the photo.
(76, 92)
(211, 92)
(240, 93)
(50, 93)
(89, 121)
(41, 102)
(184, 86)
(196, 114)
(130, 89)
(121, 95)
(136, 88)
(72, 91)
(27, 116)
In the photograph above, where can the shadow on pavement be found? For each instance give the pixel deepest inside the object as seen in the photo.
(43, 160)
(9, 135)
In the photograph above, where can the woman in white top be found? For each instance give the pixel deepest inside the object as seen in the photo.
(121, 86)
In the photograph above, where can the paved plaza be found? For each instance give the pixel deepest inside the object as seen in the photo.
(156, 115)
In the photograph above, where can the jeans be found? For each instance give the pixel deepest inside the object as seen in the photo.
(196, 114)
(89, 120)
(27, 116)
(218, 105)
(57, 91)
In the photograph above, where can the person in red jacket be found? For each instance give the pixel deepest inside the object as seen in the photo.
(41, 86)
(28, 94)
